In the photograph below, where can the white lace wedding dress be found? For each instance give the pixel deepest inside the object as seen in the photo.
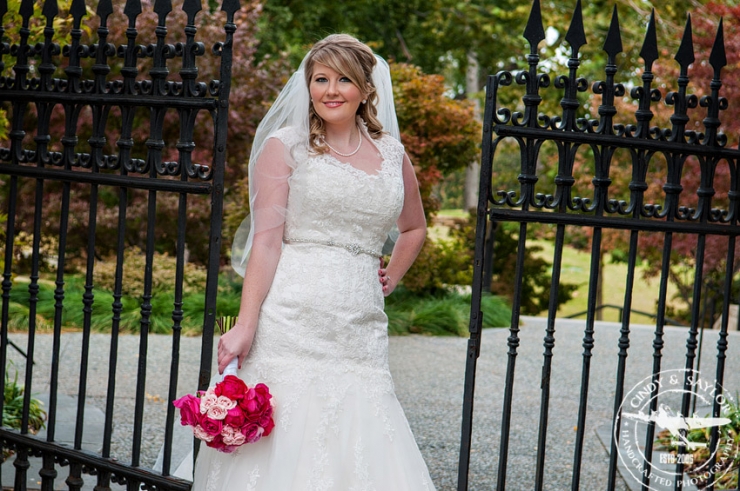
(322, 345)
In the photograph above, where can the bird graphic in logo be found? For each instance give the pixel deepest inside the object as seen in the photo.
(665, 418)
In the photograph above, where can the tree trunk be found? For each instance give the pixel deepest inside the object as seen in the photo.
(472, 173)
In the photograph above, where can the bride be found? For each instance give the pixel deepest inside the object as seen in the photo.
(328, 181)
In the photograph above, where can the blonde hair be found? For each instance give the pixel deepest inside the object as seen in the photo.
(354, 60)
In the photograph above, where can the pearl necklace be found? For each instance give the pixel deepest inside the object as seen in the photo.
(345, 154)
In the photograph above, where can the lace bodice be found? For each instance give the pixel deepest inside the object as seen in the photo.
(333, 202)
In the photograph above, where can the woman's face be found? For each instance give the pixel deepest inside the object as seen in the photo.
(335, 98)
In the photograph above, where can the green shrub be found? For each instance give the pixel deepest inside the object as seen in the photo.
(440, 314)
(536, 277)
(728, 433)
(537, 273)
(101, 319)
(13, 410)
(437, 317)
(399, 321)
(496, 312)
(19, 314)
(163, 273)
(439, 264)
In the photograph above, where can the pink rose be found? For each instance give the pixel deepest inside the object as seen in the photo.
(268, 426)
(235, 417)
(226, 402)
(218, 443)
(262, 416)
(252, 432)
(220, 408)
(257, 403)
(263, 393)
(267, 411)
(202, 434)
(212, 426)
(259, 414)
(232, 387)
(258, 395)
(217, 412)
(232, 436)
(208, 400)
(189, 407)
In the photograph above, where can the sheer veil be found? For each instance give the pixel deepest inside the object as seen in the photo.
(291, 109)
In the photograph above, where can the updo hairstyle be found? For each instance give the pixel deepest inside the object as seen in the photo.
(354, 60)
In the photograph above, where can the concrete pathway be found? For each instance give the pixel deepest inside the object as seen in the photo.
(428, 373)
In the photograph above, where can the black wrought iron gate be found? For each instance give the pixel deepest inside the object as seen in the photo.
(598, 209)
(102, 84)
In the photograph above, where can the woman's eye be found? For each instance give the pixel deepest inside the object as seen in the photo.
(345, 79)
(320, 79)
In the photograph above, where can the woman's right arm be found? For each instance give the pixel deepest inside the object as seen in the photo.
(270, 186)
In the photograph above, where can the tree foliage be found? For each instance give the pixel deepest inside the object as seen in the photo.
(536, 275)
(440, 134)
(438, 35)
(254, 85)
(666, 70)
(683, 254)
(435, 35)
(450, 262)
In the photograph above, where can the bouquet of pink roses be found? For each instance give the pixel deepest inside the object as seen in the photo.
(230, 414)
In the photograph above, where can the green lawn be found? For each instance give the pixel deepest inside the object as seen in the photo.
(458, 213)
(576, 266)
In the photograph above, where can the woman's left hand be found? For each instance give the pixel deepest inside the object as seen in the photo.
(388, 283)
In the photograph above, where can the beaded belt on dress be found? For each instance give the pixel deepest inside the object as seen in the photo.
(353, 248)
